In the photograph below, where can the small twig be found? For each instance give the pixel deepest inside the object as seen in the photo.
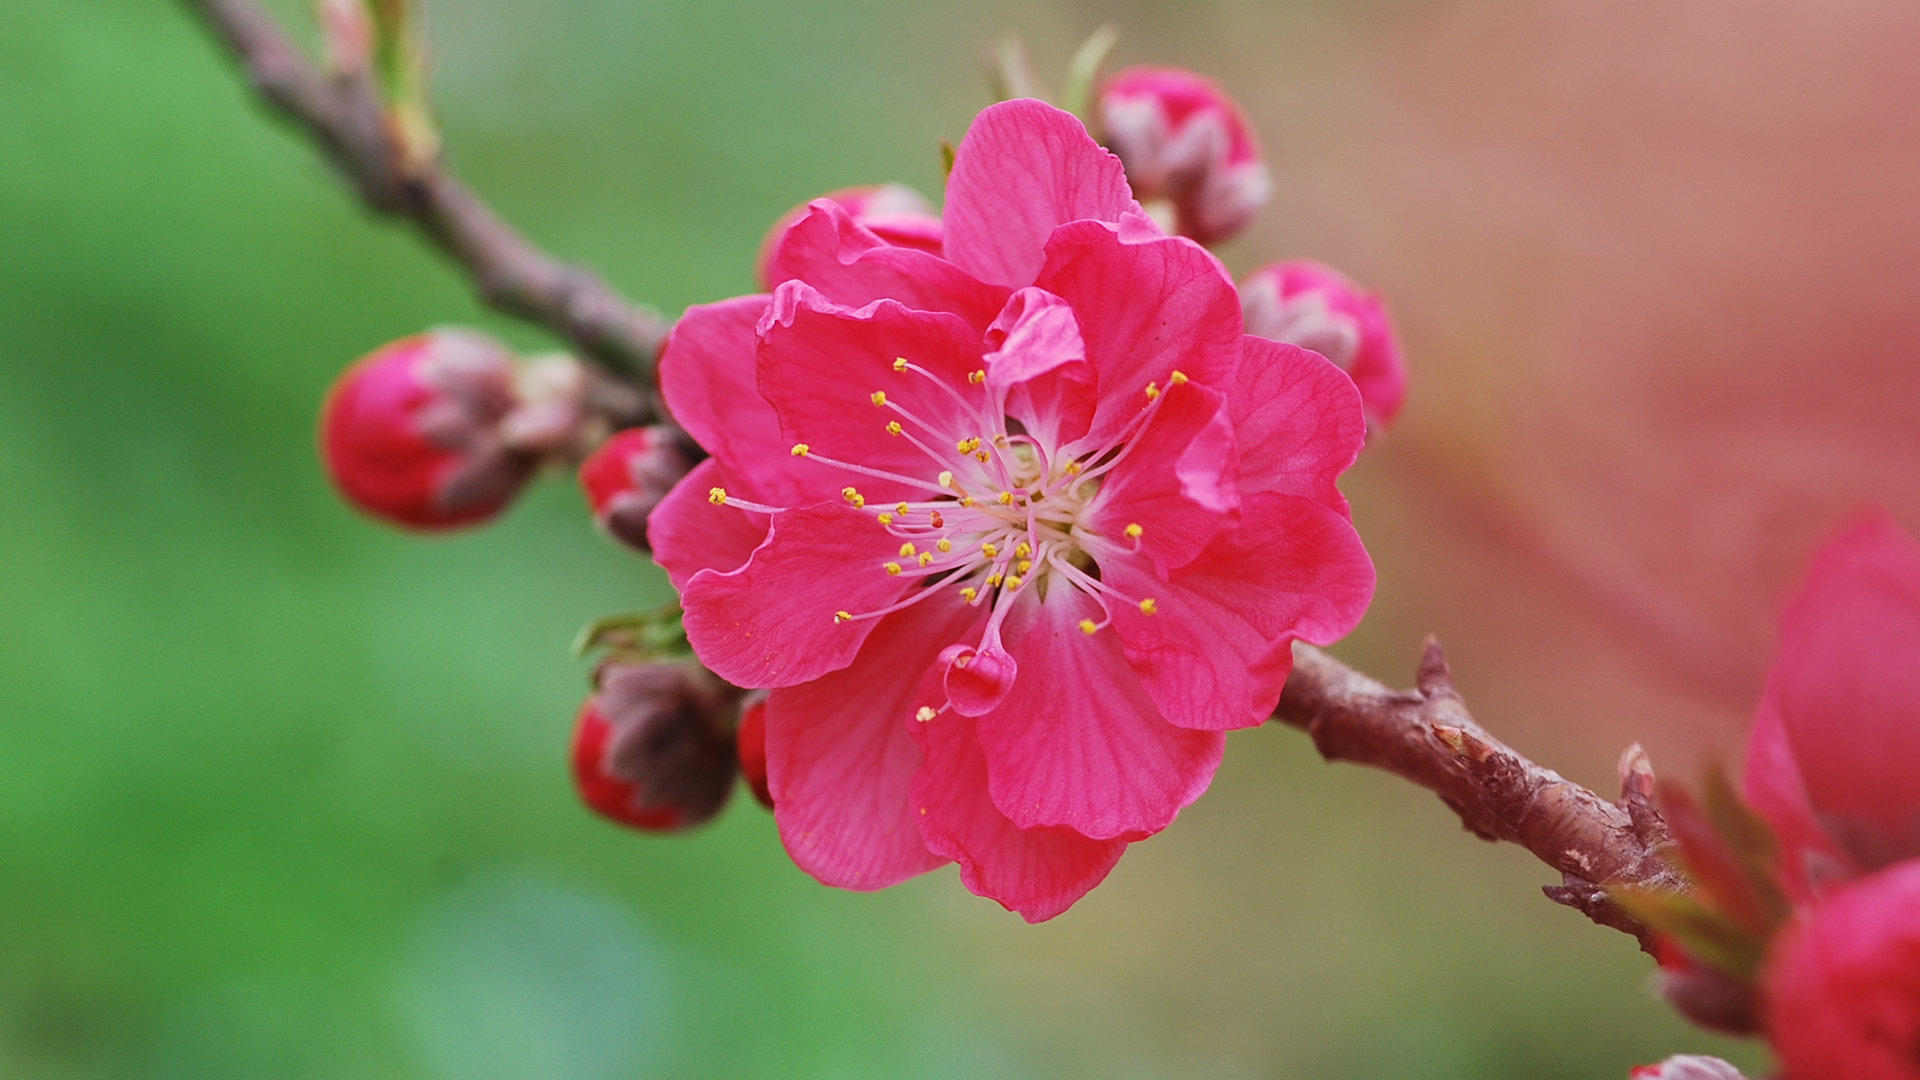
(1427, 736)
(345, 117)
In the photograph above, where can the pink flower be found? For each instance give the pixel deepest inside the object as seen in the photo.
(1687, 1067)
(895, 213)
(412, 432)
(1836, 745)
(1304, 303)
(1013, 532)
(1843, 983)
(1185, 144)
(628, 476)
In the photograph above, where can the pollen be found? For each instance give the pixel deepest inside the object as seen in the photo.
(878, 397)
(926, 557)
(886, 518)
(1025, 565)
(976, 376)
(906, 550)
(990, 550)
(853, 496)
(1176, 378)
(901, 508)
(717, 496)
(899, 363)
(925, 713)
(1153, 390)
(983, 457)
(995, 580)
(800, 449)
(945, 545)
(893, 569)
(894, 428)
(969, 501)
(842, 616)
(1073, 468)
(1014, 581)
(1148, 607)
(1134, 530)
(1023, 550)
(968, 445)
(946, 478)
(1088, 626)
(969, 594)
(1006, 498)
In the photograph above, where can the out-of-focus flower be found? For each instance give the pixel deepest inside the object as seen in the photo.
(1305, 303)
(1013, 533)
(895, 213)
(411, 433)
(1687, 1067)
(1835, 750)
(752, 738)
(652, 747)
(628, 476)
(1842, 985)
(1187, 146)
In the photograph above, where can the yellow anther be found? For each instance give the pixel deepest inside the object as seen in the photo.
(944, 545)
(1134, 530)
(925, 558)
(983, 457)
(886, 518)
(1153, 390)
(946, 478)
(995, 579)
(899, 363)
(842, 616)
(969, 594)
(901, 508)
(1176, 378)
(1088, 626)
(990, 550)
(894, 428)
(1023, 550)
(906, 550)
(1148, 607)
(1006, 498)
(1025, 565)
(717, 496)
(968, 445)
(1073, 468)
(976, 376)
(893, 568)
(853, 496)
(969, 501)
(800, 449)
(1013, 582)
(878, 397)
(925, 713)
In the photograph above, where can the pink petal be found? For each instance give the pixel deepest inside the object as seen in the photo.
(1847, 685)
(841, 755)
(1024, 169)
(821, 364)
(708, 378)
(1176, 481)
(771, 622)
(853, 266)
(1298, 422)
(688, 534)
(1773, 786)
(1036, 872)
(1077, 743)
(978, 678)
(1217, 649)
(1039, 365)
(1148, 305)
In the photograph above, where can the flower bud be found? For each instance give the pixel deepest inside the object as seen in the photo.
(1842, 984)
(629, 475)
(411, 434)
(1687, 1067)
(752, 738)
(1301, 302)
(1187, 147)
(653, 747)
(895, 213)
(1705, 995)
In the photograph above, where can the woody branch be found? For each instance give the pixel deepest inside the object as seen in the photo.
(1425, 735)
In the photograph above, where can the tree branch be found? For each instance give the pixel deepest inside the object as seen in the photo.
(1427, 736)
(345, 117)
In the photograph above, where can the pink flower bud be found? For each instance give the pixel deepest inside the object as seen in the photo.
(1187, 146)
(629, 475)
(411, 434)
(1301, 302)
(895, 213)
(1704, 995)
(752, 737)
(653, 748)
(1843, 983)
(1687, 1067)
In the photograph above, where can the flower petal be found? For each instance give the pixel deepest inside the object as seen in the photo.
(1176, 480)
(1023, 169)
(841, 755)
(1038, 366)
(1297, 420)
(853, 265)
(1148, 305)
(687, 534)
(772, 622)
(1077, 743)
(1036, 872)
(1215, 653)
(1772, 784)
(709, 381)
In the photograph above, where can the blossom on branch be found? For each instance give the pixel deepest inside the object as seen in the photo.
(1187, 147)
(1316, 307)
(1013, 532)
(628, 476)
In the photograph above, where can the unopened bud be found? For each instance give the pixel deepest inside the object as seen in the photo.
(1687, 1067)
(752, 738)
(1301, 302)
(1705, 995)
(653, 747)
(629, 475)
(895, 213)
(410, 433)
(1187, 147)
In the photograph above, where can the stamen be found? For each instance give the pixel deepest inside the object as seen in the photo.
(925, 714)
(899, 363)
(1088, 626)
(842, 616)
(1133, 530)
(894, 428)
(1153, 391)
(969, 594)
(1176, 378)
(893, 569)
(878, 397)
(717, 496)
(926, 558)
(977, 376)
(800, 449)
(853, 496)
(1148, 607)
(907, 550)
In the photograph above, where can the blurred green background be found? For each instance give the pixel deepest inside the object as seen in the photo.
(284, 792)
